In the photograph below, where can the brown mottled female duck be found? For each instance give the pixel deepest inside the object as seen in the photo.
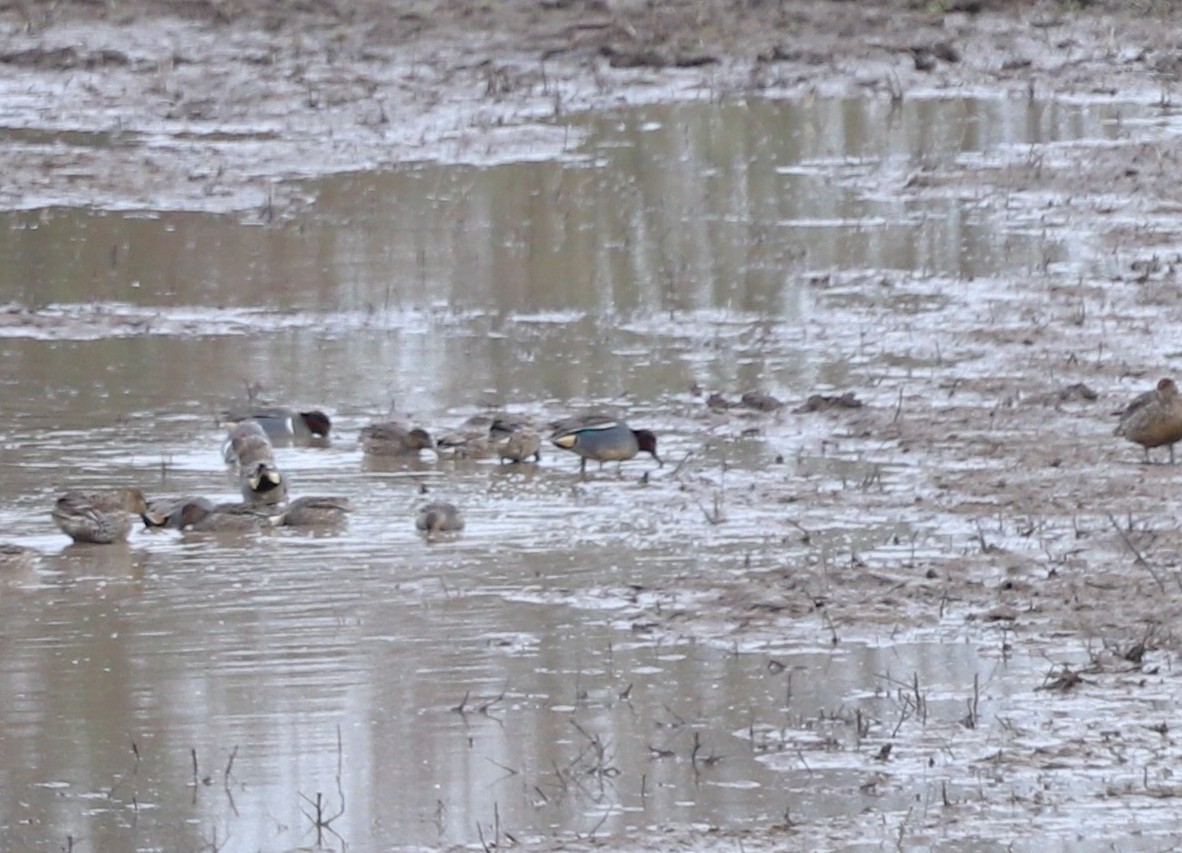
(394, 439)
(1154, 419)
(518, 442)
(98, 517)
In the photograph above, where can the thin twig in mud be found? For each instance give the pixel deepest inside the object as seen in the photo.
(681, 464)
(226, 781)
(715, 515)
(340, 771)
(320, 821)
(1140, 560)
(678, 720)
(833, 639)
(509, 770)
(229, 767)
(805, 536)
(487, 706)
(970, 719)
(986, 548)
(898, 406)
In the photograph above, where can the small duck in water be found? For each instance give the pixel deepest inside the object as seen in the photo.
(438, 517)
(101, 518)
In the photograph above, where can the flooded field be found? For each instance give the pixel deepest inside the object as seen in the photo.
(932, 621)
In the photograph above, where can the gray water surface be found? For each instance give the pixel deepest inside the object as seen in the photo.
(196, 692)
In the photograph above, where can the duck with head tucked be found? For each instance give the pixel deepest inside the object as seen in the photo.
(603, 439)
(167, 512)
(316, 512)
(101, 518)
(438, 517)
(203, 517)
(472, 439)
(1154, 418)
(393, 439)
(516, 442)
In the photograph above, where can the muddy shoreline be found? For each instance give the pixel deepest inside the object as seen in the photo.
(209, 106)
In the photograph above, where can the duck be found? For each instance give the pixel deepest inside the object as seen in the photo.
(100, 518)
(603, 439)
(438, 517)
(473, 439)
(281, 422)
(1154, 418)
(203, 517)
(517, 442)
(316, 511)
(259, 478)
(166, 512)
(394, 439)
(262, 483)
(240, 437)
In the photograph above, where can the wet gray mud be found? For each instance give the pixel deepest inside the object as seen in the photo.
(914, 596)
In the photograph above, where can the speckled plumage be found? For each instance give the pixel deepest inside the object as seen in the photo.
(394, 439)
(98, 517)
(1154, 419)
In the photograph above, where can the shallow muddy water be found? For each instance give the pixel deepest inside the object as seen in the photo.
(194, 692)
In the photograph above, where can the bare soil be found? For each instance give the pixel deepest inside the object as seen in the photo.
(209, 104)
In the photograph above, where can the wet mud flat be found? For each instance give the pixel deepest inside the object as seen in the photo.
(977, 496)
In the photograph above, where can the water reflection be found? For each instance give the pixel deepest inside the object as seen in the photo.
(188, 692)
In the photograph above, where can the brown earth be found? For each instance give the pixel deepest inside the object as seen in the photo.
(206, 104)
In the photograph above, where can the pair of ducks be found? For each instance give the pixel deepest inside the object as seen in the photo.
(596, 437)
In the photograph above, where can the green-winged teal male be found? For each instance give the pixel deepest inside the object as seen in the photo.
(280, 422)
(316, 512)
(98, 517)
(1154, 418)
(603, 439)
(438, 517)
(394, 439)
